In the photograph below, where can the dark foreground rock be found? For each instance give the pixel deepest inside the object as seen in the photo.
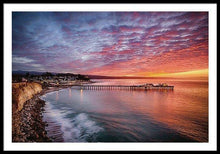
(28, 124)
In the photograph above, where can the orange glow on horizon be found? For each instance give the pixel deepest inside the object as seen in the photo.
(195, 73)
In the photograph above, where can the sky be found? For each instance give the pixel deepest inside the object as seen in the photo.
(144, 44)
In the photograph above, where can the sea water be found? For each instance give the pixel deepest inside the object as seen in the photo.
(122, 115)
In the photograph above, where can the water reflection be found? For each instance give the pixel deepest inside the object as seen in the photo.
(185, 109)
(70, 93)
(81, 95)
(57, 95)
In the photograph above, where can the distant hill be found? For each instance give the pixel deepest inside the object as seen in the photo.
(24, 72)
(120, 77)
(90, 76)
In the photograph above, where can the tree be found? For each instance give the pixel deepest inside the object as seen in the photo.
(47, 74)
(27, 74)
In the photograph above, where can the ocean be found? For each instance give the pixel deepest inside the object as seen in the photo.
(122, 115)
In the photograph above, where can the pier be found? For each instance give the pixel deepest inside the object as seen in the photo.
(128, 87)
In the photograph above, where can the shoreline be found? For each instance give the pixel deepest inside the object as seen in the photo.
(28, 124)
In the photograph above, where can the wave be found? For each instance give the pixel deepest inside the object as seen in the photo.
(75, 127)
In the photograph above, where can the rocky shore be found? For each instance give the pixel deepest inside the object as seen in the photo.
(28, 124)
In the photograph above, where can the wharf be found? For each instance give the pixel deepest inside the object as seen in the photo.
(129, 87)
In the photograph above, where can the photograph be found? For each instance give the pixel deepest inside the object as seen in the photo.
(110, 76)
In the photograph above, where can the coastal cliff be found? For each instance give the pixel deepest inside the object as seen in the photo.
(27, 123)
(22, 92)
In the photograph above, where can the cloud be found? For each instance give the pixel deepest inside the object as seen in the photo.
(123, 42)
(21, 60)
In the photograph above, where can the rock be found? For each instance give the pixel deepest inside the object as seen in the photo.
(22, 92)
(27, 124)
